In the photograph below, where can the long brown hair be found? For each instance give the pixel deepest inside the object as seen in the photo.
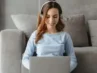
(41, 28)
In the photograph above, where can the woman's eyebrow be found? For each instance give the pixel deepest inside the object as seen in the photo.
(55, 14)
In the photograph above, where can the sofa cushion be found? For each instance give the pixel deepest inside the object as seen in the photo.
(93, 31)
(75, 26)
(25, 22)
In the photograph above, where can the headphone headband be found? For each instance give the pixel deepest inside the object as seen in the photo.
(47, 2)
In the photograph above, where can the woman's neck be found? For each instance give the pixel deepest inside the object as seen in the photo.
(51, 31)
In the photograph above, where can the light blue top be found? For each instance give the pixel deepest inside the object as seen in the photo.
(50, 45)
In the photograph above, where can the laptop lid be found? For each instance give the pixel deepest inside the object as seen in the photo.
(56, 64)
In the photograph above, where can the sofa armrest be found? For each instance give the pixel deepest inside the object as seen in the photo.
(11, 46)
(87, 59)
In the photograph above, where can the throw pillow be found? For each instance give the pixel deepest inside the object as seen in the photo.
(75, 26)
(93, 31)
(25, 22)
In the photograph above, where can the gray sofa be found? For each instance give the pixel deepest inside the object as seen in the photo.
(13, 41)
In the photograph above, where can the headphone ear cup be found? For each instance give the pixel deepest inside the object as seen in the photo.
(39, 19)
(62, 19)
(61, 16)
(40, 16)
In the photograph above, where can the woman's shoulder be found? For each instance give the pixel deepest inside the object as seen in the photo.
(65, 33)
(33, 34)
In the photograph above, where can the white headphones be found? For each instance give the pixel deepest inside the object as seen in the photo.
(48, 2)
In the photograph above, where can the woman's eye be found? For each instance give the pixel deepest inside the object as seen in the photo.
(47, 17)
(55, 16)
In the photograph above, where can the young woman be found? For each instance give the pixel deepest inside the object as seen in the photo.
(49, 39)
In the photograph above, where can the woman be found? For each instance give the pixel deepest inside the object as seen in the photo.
(49, 39)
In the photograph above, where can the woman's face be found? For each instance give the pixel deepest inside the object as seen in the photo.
(52, 17)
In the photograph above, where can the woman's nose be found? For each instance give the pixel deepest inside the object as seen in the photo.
(51, 20)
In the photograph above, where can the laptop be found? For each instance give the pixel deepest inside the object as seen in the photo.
(56, 64)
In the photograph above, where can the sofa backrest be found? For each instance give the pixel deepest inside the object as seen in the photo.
(70, 7)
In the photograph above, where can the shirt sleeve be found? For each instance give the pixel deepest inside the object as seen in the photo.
(30, 48)
(70, 52)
